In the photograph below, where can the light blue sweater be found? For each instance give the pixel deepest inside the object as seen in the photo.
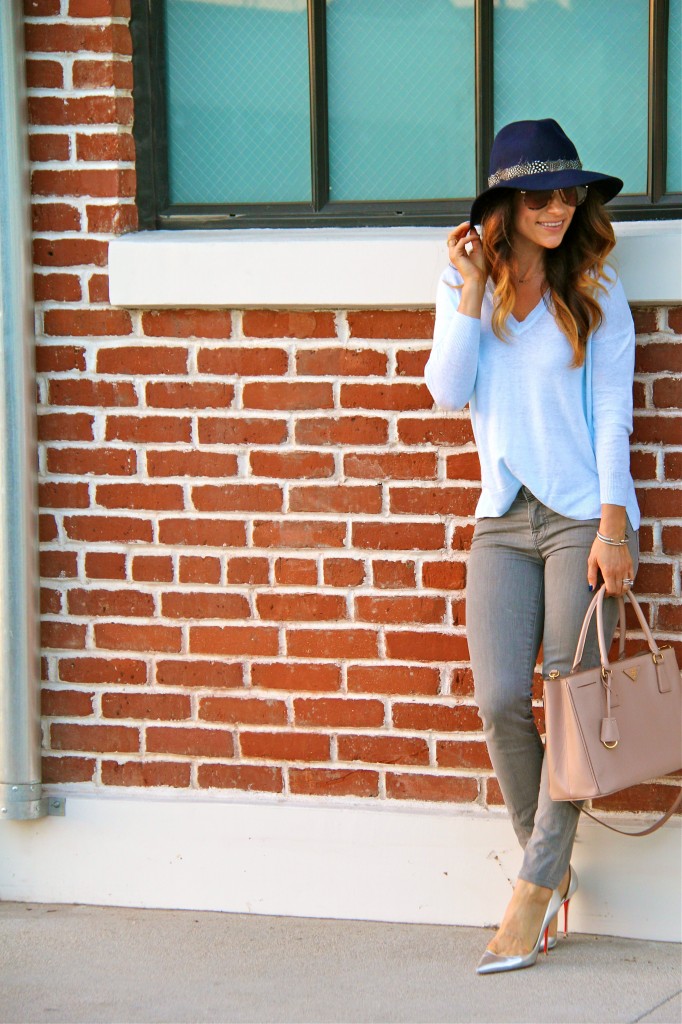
(562, 432)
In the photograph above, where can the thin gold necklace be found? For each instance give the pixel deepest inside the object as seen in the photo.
(529, 275)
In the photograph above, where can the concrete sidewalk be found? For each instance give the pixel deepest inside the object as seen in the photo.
(92, 964)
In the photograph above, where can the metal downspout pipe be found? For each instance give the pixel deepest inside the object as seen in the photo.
(20, 740)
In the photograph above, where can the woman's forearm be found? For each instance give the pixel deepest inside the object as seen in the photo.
(471, 299)
(613, 521)
(450, 371)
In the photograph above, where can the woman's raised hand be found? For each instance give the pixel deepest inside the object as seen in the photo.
(466, 254)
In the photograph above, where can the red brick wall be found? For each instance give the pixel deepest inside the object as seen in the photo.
(254, 524)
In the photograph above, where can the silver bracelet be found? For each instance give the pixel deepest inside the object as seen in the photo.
(611, 541)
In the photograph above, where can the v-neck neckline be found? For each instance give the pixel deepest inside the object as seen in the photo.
(531, 317)
(518, 326)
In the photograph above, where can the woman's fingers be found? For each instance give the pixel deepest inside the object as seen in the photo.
(628, 574)
(465, 251)
(460, 234)
(613, 581)
(614, 587)
(466, 256)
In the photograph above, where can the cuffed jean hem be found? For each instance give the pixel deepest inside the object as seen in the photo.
(526, 586)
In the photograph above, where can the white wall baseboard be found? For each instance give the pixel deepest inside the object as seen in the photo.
(307, 858)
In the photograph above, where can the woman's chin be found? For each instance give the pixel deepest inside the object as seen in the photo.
(551, 241)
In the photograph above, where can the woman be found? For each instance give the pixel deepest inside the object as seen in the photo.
(534, 332)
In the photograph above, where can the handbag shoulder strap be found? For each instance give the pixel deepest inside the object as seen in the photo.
(647, 831)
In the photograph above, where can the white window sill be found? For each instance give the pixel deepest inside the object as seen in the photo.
(338, 268)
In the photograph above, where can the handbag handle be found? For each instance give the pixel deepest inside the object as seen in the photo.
(580, 647)
(603, 651)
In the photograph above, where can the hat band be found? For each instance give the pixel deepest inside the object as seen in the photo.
(534, 167)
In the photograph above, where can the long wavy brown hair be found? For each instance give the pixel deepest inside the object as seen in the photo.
(573, 270)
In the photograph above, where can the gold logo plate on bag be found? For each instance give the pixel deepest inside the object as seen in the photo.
(631, 673)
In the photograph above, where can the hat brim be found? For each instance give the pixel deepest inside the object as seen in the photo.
(607, 186)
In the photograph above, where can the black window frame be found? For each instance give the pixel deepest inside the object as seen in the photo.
(151, 140)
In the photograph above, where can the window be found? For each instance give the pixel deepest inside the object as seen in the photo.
(380, 112)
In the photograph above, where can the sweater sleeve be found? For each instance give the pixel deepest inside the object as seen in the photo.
(613, 366)
(450, 372)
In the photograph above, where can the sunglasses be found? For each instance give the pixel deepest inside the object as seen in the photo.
(572, 196)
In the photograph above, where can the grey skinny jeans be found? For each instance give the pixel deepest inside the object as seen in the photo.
(527, 585)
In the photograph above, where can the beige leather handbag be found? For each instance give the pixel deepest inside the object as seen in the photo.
(615, 725)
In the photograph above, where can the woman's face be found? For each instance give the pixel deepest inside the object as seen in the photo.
(545, 227)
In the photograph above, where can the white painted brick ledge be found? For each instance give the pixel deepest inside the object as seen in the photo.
(340, 267)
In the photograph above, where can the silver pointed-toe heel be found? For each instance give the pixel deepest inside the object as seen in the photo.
(494, 963)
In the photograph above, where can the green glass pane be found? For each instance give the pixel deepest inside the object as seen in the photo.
(401, 99)
(584, 63)
(674, 172)
(238, 105)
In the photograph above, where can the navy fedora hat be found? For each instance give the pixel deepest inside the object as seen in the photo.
(537, 155)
